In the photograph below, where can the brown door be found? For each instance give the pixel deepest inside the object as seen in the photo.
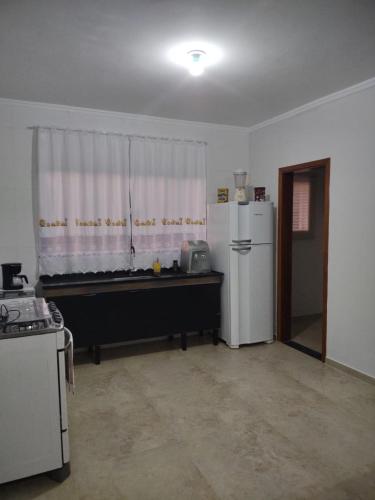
(302, 256)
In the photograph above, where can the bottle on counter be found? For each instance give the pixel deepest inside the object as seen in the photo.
(156, 267)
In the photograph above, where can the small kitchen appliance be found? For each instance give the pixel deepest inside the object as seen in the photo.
(195, 256)
(12, 279)
(240, 185)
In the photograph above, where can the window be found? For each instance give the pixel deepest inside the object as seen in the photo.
(109, 202)
(301, 204)
(168, 198)
(83, 202)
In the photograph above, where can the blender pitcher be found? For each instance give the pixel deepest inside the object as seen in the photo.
(240, 185)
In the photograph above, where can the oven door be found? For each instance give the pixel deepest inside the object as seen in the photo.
(30, 419)
(62, 350)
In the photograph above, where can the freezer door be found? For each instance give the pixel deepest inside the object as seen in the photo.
(251, 294)
(235, 224)
(255, 222)
(222, 224)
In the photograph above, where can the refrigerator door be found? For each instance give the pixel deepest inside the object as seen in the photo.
(252, 297)
(255, 223)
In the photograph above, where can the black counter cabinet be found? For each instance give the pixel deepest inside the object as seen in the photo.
(119, 307)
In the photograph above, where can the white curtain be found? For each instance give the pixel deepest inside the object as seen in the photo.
(83, 202)
(168, 197)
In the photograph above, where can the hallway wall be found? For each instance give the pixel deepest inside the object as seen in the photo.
(343, 130)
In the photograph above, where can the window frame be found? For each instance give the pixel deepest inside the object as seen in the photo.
(305, 234)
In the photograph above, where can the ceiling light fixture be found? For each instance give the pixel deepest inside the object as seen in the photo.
(195, 56)
(197, 62)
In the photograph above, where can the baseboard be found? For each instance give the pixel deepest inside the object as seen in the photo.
(351, 371)
(304, 349)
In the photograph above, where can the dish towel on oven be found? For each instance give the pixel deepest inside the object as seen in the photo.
(69, 366)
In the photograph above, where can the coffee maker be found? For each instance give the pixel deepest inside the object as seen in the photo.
(12, 279)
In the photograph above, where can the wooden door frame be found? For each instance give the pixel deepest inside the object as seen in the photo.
(284, 242)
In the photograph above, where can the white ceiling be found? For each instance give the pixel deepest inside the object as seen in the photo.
(112, 54)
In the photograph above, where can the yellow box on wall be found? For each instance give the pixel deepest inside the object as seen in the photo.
(222, 195)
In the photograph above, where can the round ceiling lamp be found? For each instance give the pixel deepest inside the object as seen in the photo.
(197, 62)
(195, 56)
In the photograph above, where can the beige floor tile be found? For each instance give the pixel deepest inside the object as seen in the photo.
(260, 422)
(256, 463)
(165, 473)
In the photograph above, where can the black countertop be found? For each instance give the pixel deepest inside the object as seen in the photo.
(79, 279)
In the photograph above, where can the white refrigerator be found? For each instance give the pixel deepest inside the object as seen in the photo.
(240, 237)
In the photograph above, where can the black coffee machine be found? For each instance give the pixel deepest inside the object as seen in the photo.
(12, 280)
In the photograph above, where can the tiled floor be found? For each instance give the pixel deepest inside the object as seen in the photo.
(307, 331)
(260, 422)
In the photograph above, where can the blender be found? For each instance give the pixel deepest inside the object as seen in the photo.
(240, 185)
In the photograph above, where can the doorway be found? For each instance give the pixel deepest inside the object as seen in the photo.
(302, 257)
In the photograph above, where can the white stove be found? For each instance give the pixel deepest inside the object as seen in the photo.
(33, 416)
(26, 291)
(24, 316)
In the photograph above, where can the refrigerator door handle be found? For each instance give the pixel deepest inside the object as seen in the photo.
(242, 248)
(241, 242)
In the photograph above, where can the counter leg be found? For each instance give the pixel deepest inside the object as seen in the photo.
(215, 336)
(97, 354)
(183, 341)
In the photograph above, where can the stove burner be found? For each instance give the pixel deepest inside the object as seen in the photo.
(29, 316)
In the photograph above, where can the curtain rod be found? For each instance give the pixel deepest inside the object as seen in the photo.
(130, 136)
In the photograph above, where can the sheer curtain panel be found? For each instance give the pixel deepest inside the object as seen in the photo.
(83, 201)
(168, 197)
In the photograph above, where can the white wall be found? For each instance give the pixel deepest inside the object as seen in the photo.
(343, 130)
(228, 149)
